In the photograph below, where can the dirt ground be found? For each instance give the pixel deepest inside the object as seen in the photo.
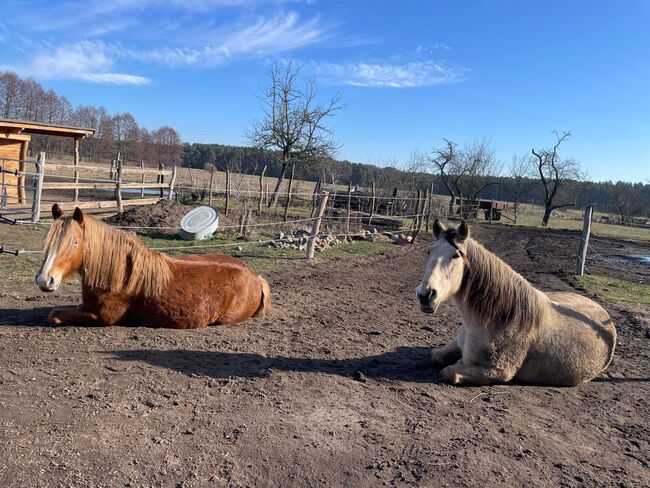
(333, 389)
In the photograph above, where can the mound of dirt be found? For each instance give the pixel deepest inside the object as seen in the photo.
(152, 218)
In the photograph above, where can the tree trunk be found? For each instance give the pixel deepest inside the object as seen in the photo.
(278, 185)
(547, 215)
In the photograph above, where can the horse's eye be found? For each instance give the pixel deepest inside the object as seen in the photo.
(456, 256)
(75, 242)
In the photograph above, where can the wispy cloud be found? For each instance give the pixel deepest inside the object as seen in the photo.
(4, 32)
(95, 60)
(429, 48)
(281, 33)
(390, 75)
(83, 60)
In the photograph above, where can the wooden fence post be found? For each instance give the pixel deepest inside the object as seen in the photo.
(76, 172)
(429, 207)
(118, 187)
(313, 198)
(347, 217)
(225, 210)
(311, 241)
(249, 217)
(259, 203)
(266, 194)
(414, 222)
(171, 183)
(372, 203)
(242, 218)
(584, 241)
(395, 204)
(38, 187)
(142, 177)
(211, 186)
(161, 179)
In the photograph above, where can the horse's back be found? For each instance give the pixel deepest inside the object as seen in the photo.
(574, 343)
(210, 289)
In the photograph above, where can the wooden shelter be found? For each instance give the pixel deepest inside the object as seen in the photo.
(14, 140)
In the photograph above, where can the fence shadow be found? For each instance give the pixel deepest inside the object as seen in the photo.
(402, 364)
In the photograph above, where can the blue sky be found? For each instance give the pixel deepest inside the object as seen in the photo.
(409, 72)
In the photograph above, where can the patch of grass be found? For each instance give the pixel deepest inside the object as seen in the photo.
(531, 216)
(614, 290)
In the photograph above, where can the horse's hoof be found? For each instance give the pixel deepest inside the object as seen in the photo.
(449, 375)
(54, 319)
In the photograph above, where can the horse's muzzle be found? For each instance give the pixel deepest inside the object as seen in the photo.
(425, 300)
(47, 284)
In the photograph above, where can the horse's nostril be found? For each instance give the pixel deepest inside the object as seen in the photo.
(50, 282)
(426, 297)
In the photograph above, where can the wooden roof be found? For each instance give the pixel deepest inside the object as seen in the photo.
(11, 126)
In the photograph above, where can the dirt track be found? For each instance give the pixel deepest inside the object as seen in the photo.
(332, 390)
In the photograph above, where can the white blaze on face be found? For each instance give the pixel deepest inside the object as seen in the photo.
(43, 279)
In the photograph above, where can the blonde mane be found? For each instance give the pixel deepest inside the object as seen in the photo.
(114, 260)
(496, 294)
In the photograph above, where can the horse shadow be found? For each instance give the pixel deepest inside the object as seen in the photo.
(25, 317)
(409, 364)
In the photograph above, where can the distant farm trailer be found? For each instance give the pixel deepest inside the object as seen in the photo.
(492, 209)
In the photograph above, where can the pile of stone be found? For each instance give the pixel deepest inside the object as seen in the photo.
(298, 239)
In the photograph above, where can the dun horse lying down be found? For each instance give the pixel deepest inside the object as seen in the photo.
(510, 330)
(125, 283)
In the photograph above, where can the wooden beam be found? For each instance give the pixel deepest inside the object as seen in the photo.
(107, 204)
(76, 164)
(7, 125)
(98, 186)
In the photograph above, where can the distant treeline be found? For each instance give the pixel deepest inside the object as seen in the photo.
(26, 99)
(622, 198)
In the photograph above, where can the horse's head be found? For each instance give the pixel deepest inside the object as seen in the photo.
(443, 276)
(63, 249)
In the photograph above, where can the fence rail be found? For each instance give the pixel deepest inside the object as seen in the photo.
(23, 183)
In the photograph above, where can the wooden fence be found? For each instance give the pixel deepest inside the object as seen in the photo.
(48, 180)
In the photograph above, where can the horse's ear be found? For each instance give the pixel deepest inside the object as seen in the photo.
(56, 211)
(78, 215)
(438, 228)
(462, 231)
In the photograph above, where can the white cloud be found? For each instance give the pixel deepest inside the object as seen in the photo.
(389, 75)
(83, 60)
(275, 35)
(439, 46)
(115, 78)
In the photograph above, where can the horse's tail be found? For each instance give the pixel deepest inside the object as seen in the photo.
(611, 343)
(265, 302)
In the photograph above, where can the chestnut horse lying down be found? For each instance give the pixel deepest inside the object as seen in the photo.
(125, 283)
(510, 330)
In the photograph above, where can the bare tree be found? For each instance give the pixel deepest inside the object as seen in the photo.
(627, 200)
(445, 161)
(554, 173)
(478, 169)
(518, 181)
(293, 123)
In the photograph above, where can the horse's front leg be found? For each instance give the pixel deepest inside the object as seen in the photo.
(459, 373)
(74, 316)
(449, 354)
